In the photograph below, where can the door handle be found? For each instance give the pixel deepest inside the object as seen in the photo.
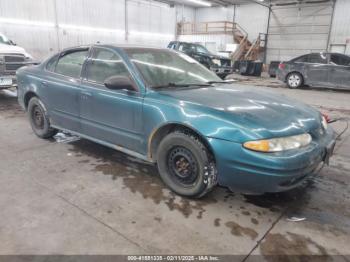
(44, 83)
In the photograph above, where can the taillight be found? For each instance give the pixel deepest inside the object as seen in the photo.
(282, 66)
(327, 118)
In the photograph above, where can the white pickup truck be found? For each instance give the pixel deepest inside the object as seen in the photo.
(12, 57)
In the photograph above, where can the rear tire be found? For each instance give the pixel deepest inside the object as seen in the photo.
(295, 80)
(39, 119)
(185, 164)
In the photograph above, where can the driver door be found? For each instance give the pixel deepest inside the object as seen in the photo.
(340, 71)
(111, 116)
(317, 69)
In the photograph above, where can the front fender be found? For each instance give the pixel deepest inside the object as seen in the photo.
(211, 124)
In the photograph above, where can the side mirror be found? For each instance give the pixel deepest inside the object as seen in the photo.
(12, 43)
(119, 83)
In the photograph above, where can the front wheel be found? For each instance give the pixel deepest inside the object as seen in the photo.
(39, 120)
(295, 80)
(185, 164)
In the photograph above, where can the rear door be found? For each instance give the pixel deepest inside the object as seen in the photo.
(112, 116)
(340, 70)
(317, 70)
(61, 88)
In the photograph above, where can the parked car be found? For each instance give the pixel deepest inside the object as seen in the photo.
(218, 64)
(165, 108)
(12, 57)
(316, 69)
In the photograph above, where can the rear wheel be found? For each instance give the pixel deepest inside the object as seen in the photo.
(185, 164)
(39, 120)
(295, 80)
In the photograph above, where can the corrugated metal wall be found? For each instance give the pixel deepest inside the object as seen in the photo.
(44, 26)
(294, 30)
(298, 29)
(340, 36)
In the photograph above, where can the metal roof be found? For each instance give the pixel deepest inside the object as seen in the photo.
(231, 2)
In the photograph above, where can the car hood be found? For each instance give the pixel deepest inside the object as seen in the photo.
(12, 49)
(212, 56)
(255, 112)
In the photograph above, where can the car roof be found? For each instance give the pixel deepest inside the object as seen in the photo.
(112, 46)
(183, 42)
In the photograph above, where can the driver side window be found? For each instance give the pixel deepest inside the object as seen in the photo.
(339, 60)
(104, 64)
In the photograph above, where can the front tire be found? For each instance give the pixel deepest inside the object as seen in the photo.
(295, 80)
(39, 120)
(185, 164)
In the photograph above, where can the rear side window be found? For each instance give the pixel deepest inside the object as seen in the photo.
(104, 64)
(318, 58)
(71, 64)
(51, 65)
(340, 60)
(302, 59)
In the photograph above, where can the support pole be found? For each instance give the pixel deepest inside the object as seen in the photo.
(57, 27)
(330, 27)
(267, 35)
(126, 23)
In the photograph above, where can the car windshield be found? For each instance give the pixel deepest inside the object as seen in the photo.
(162, 68)
(5, 40)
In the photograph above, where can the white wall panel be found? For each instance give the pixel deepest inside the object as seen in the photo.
(147, 16)
(213, 14)
(84, 22)
(38, 10)
(253, 18)
(185, 13)
(104, 13)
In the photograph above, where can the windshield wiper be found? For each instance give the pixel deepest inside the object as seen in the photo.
(174, 85)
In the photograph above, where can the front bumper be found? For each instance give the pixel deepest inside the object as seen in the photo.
(221, 70)
(246, 171)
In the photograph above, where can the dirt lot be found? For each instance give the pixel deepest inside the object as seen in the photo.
(76, 197)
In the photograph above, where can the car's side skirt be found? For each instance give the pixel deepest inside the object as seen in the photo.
(116, 147)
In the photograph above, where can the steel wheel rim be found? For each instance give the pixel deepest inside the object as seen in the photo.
(182, 166)
(38, 117)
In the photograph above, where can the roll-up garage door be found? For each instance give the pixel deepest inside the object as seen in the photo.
(297, 29)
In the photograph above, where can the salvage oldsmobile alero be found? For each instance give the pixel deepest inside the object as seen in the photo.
(164, 107)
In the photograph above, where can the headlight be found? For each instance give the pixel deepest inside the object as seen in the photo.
(28, 56)
(324, 123)
(279, 144)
